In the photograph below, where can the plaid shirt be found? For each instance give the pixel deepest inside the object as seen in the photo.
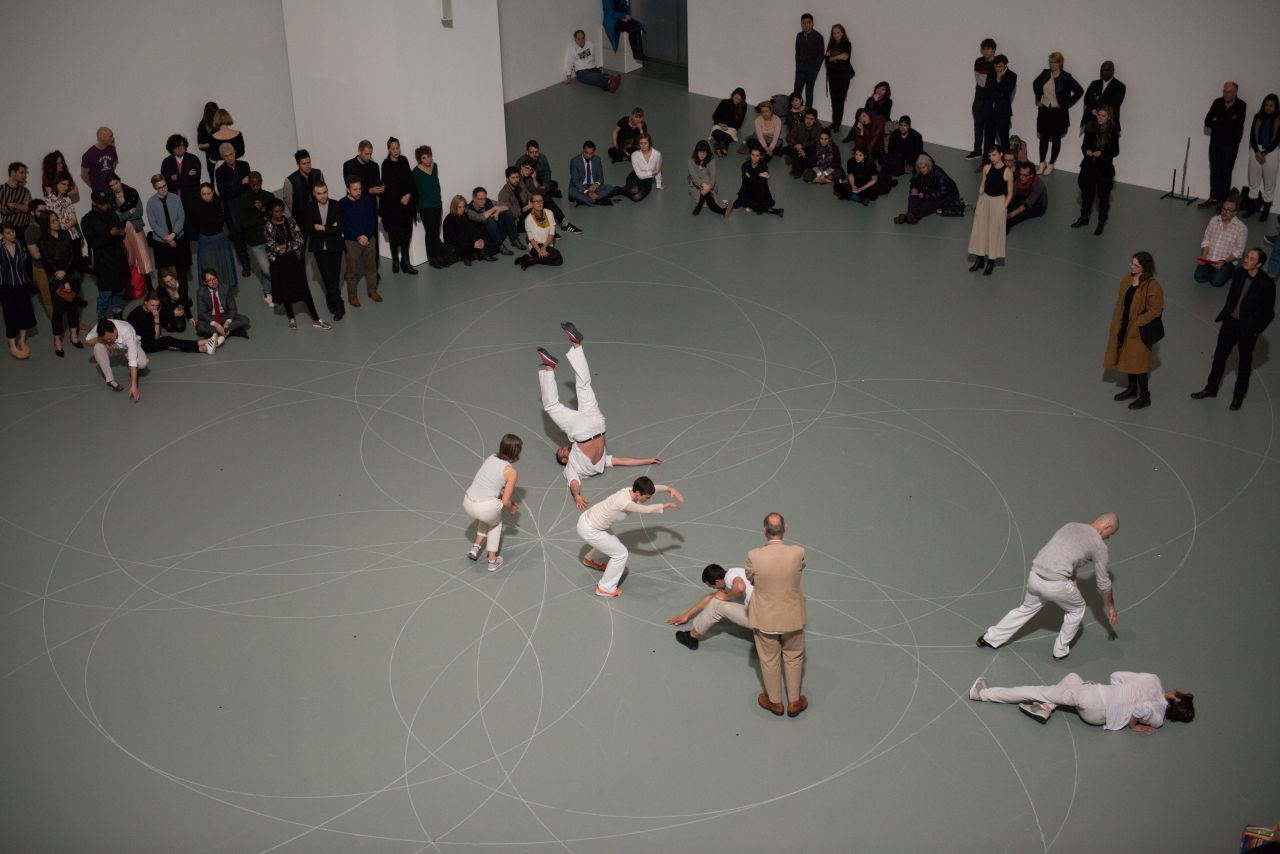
(1224, 241)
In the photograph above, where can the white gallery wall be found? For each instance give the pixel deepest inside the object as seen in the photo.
(145, 69)
(423, 83)
(1173, 55)
(535, 34)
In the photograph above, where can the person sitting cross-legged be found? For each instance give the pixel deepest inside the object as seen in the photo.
(540, 228)
(216, 315)
(586, 179)
(824, 161)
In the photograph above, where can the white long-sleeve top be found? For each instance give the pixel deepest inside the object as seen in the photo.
(579, 58)
(126, 341)
(1133, 695)
(646, 168)
(603, 515)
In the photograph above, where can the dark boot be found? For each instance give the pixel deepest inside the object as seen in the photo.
(1081, 222)
(991, 266)
(1247, 206)
(977, 264)
(1128, 394)
(1102, 223)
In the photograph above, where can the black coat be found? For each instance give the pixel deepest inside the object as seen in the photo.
(185, 185)
(1065, 88)
(462, 233)
(110, 260)
(1225, 124)
(1259, 306)
(1094, 97)
(397, 179)
(907, 149)
(331, 240)
(369, 173)
(1000, 94)
(1110, 151)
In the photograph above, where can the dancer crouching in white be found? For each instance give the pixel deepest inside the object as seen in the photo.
(585, 455)
(489, 493)
(595, 523)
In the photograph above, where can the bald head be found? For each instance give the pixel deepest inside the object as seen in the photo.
(774, 526)
(105, 136)
(1106, 525)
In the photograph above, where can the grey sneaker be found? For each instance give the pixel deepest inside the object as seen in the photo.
(1036, 711)
(495, 563)
(473, 553)
(979, 685)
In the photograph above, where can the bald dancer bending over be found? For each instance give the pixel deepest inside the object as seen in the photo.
(585, 455)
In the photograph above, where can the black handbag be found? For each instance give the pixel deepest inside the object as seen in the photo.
(1152, 332)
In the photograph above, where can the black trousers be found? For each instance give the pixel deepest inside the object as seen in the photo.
(637, 188)
(838, 89)
(805, 80)
(979, 122)
(168, 342)
(398, 237)
(329, 263)
(308, 302)
(1139, 382)
(1222, 159)
(1022, 217)
(709, 200)
(431, 227)
(1229, 338)
(553, 259)
(1095, 181)
(995, 130)
(632, 29)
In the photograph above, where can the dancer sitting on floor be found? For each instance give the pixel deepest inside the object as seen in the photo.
(585, 455)
(1136, 701)
(730, 596)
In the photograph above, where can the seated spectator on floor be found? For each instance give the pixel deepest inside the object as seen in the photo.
(727, 121)
(880, 106)
(768, 131)
(116, 338)
(865, 135)
(147, 321)
(586, 178)
(702, 180)
(496, 221)
(903, 147)
(932, 192)
(1222, 245)
(646, 170)
(515, 194)
(541, 230)
(216, 315)
(626, 135)
(753, 193)
(463, 235)
(541, 168)
(1030, 196)
(582, 64)
(175, 305)
(528, 181)
(864, 178)
(794, 116)
(802, 138)
(824, 161)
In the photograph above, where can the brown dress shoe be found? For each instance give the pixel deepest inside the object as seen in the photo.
(763, 700)
(375, 296)
(798, 706)
(354, 300)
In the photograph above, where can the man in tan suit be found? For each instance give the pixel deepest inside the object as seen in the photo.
(776, 615)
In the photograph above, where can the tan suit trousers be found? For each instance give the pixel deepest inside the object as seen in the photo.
(778, 653)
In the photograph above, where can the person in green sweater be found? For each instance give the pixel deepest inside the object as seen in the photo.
(426, 178)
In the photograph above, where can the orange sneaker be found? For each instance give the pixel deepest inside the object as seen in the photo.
(600, 591)
(593, 564)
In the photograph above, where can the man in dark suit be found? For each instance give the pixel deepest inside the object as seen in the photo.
(1001, 87)
(1225, 124)
(776, 615)
(325, 227)
(216, 314)
(1251, 305)
(1105, 90)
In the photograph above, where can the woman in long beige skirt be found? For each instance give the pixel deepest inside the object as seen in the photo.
(986, 240)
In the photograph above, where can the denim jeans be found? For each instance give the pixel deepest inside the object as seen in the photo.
(110, 301)
(258, 259)
(593, 77)
(1217, 277)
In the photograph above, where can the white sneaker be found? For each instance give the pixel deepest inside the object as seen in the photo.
(473, 553)
(1036, 711)
(266, 298)
(495, 563)
(979, 685)
(218, 339)
(210, 346)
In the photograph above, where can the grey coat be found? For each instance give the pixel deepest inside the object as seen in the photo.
(699, 175)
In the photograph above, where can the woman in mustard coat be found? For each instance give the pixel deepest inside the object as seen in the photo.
(1140, 301)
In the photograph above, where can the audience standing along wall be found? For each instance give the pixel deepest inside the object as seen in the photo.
(1173, 55)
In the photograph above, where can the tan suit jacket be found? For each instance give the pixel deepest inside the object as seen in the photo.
(777, 605)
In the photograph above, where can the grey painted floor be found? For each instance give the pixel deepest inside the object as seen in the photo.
(237, 616)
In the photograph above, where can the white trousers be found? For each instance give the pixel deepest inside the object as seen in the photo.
(488, 512)
(102, 355)
(604, 543)
(1062, 593)
(578, 424)
(1071, 691)
(1262, 176)
(717, 610)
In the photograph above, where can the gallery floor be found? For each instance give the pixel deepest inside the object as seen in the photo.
(237, 616)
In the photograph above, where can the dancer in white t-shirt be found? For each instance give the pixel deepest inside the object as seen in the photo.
(731, 594)
(585, 456)
(490, 492)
